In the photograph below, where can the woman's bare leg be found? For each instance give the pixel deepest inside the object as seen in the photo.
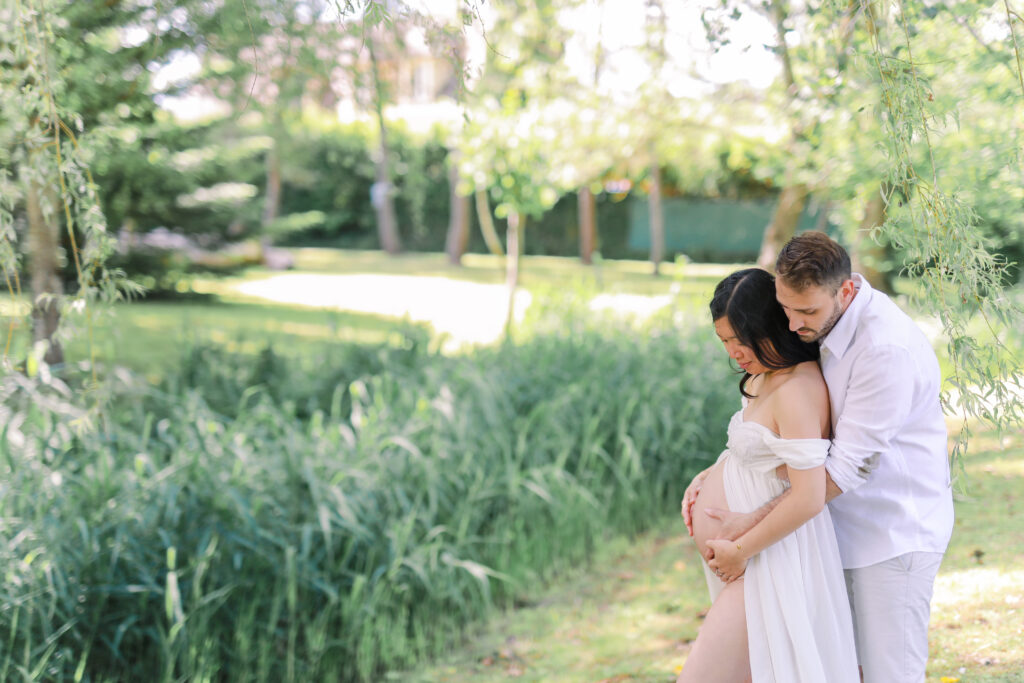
(719, 654)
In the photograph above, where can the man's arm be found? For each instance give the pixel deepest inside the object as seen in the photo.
(878, 400)
(832, 491)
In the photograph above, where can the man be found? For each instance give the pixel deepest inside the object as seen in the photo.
(888, 472)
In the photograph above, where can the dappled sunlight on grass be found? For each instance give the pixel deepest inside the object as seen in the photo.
(361, 296)
(1007, 468)
(464, 312)
(633, 276)
(468, 312)
(151, 336)
(977, 629)
(631, 616)
(633, 304)
(973, 586)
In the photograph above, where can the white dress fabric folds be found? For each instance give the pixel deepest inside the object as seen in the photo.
(799, 628)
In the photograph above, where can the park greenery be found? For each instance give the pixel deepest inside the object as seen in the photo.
(269, 519)
(252, 507)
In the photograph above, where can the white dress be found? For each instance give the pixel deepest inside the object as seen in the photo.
(799, 628)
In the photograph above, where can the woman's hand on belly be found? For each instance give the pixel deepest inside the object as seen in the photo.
(690, 497)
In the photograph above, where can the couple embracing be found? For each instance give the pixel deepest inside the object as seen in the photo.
(840, 405)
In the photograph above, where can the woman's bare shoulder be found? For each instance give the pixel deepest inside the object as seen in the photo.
(802, 406)
(805, 384)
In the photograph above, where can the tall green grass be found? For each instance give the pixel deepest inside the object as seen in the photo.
(336, 515)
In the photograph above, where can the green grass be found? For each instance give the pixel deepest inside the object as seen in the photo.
(632, 616)
(150, 337)
(978, 611)
(538, 274)
(141, 334)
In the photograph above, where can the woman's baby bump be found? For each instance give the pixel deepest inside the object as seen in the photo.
(712, 495)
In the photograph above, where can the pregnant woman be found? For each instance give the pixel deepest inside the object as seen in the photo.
(780, 611)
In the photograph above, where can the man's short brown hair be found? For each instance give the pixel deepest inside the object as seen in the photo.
(813, 259)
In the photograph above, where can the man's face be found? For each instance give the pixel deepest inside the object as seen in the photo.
(814, 311)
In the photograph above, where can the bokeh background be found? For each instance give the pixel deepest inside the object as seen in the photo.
(368, 340)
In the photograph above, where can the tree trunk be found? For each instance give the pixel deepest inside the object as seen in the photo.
(511, 269)
(779, 17)
(867, 254)
(657, 219)
(783, 224)
(458, 219)
(381, 195)
(483, 212)
(588, 224)
(791, 202)
(272, 203)
(43, 245)
(458, 205)
(384, 203)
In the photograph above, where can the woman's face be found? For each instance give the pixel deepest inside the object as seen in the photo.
(742, 354)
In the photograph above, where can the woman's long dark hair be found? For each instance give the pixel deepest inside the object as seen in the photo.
(747, 299)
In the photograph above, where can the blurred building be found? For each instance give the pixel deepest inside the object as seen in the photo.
(420, 74)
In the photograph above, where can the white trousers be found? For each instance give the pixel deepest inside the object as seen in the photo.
(891, 604)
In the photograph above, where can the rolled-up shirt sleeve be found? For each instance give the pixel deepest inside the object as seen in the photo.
(878, 400)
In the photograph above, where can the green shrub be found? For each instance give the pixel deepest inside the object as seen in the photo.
(334, 516)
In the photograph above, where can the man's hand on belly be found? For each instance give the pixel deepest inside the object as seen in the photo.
(734, 524)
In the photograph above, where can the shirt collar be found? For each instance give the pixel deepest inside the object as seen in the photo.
(838, 340)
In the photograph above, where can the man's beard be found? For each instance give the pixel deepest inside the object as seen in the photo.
(818, 335)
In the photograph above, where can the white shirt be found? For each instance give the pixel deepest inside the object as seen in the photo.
(888, 451)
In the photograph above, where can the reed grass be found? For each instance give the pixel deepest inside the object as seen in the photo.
(340, 514)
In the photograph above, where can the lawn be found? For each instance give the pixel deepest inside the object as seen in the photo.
(149, 335)
(633, 614)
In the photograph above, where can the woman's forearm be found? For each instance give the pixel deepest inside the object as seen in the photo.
(804, 500)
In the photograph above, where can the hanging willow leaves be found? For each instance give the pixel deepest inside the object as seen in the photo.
(44, 163)
(961, 278)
